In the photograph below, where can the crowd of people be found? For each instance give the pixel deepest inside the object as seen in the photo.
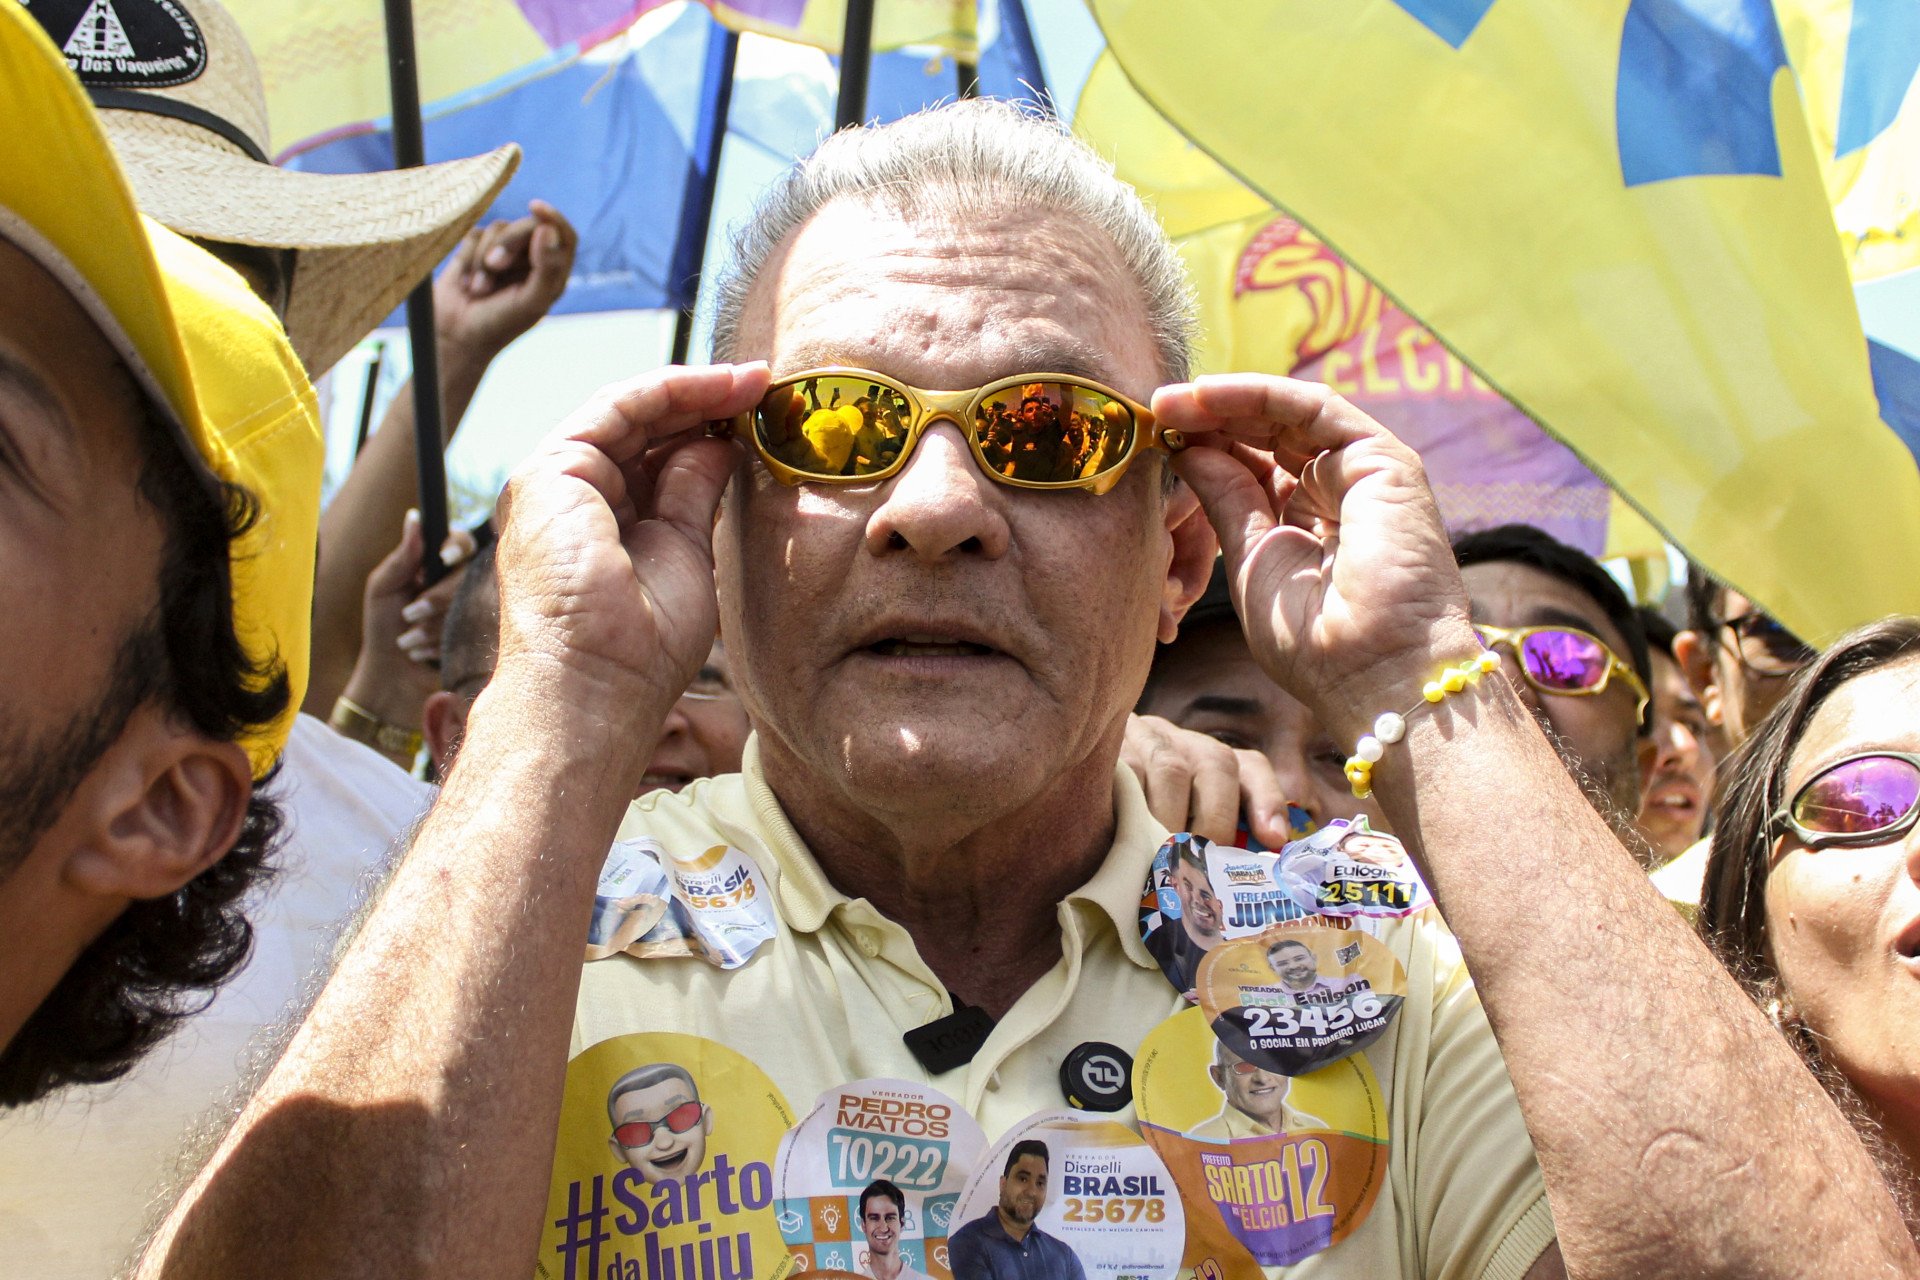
(796, 728)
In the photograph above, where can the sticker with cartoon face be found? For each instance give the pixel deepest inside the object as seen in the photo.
(1296, 998)
(866, 1184)
(1272, 1169)
(1068, 1194)
(665, 1160)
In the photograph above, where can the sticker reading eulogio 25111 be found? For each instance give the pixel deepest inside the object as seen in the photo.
(664, 1164)
(866, 1184)
(1071, 1195)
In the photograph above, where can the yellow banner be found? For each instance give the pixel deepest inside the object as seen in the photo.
(1614, 213)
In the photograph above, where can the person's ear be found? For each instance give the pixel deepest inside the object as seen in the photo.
(1647, 754)
(1219, 1077)
(1194, 550)
(443, 722)
(1693, 652)
(163, 803)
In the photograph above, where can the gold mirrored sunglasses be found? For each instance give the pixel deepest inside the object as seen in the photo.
(1033, 431)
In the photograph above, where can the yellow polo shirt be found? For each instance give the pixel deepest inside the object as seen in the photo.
(827, 1000)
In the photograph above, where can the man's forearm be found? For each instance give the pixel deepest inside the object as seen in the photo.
(363, 519)
(408, 1129)
(1677, 1132)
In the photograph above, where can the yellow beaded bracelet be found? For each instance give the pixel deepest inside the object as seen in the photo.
(1392, 725)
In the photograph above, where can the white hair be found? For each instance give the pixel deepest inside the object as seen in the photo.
(940, 162)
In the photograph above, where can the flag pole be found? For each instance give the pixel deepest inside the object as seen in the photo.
(409, 152)
(703, 177)
(856, 52)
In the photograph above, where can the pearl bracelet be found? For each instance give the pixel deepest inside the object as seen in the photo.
(1392, 725)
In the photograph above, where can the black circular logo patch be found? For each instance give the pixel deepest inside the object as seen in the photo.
(125, 44)
(1097, 1076)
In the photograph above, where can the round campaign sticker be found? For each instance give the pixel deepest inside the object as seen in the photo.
(1068, 1194)
(664, 1164)
(866, 1185)
(1297, 997)
(1272, 1169)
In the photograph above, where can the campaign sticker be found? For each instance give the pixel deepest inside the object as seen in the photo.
(650, 903)
(1068, 1194)
(1272, 1169)
(1347, 869)
(1295, 998)
(664, 1164)
(866, 1185)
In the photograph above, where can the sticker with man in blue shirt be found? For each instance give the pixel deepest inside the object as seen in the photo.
(1068, 1195)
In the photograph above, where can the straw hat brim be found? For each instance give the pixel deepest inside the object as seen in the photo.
(362, 241)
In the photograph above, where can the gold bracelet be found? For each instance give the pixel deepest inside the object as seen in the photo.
(354, 721)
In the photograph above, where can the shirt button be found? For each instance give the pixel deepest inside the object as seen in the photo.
(869, 944)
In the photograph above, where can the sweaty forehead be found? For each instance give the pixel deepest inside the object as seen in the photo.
(944, 302)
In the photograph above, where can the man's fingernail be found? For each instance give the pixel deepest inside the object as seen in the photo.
(450, 555)
(413, 639)
(417, 610)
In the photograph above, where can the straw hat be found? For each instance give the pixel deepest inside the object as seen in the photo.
(209, 354)
(181, 99)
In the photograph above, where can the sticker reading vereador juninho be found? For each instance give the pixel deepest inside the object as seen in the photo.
(1200, 894)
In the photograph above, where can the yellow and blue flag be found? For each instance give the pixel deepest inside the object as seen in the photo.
(1615, 213)
(1275, 298)
(325, 67)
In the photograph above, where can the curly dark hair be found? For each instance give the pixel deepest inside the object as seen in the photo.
(161, 959)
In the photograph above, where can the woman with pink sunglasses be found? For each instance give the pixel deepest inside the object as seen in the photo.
(1812, 893)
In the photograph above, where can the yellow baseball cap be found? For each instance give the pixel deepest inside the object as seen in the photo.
(209, 353)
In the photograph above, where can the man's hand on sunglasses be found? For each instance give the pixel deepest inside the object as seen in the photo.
(606, 548)
(1334, 546)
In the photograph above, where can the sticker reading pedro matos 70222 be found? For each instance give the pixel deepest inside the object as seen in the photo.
(664, 1165)
(1297, 997)
(1271, 1169)
(1068, 1195)
(866, 1184)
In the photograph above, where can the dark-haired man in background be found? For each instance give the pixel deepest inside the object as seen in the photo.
(1573, 647)
(159, 482)
(1680, 770)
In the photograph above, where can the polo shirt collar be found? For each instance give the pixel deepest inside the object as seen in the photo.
(807, 898)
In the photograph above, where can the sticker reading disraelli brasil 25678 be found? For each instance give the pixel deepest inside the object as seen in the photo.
(1068, 1194)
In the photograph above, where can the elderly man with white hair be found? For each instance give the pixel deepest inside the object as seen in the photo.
(938, 634)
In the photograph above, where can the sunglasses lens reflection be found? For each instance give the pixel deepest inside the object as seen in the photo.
(639, 1133)
(1858, 797)
(833, 427)
(1564, 660)
(1052, 432)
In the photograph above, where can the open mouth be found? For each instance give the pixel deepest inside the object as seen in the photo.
(673, 1162)
(652, 781)
(1907, 945)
